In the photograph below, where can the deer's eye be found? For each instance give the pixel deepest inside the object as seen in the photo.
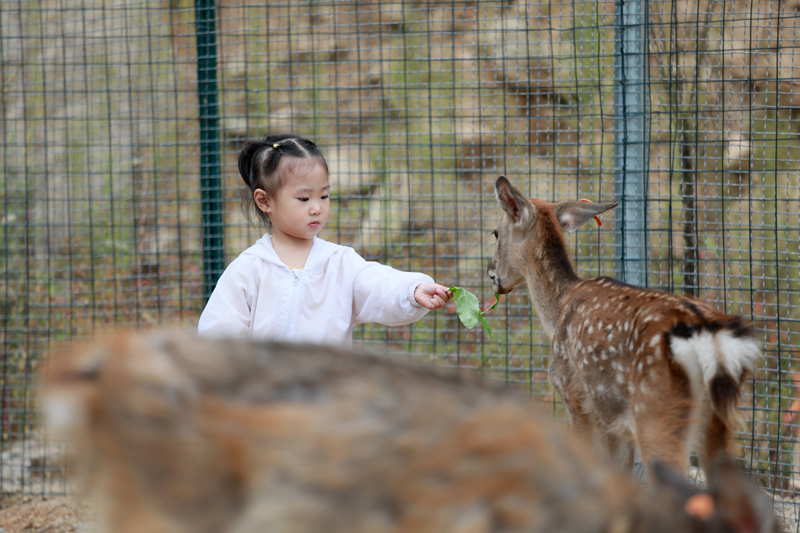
(494, 234)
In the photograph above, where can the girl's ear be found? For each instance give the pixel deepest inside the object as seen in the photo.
(262, 200)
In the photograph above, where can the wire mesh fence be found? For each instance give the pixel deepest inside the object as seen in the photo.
(122, 120)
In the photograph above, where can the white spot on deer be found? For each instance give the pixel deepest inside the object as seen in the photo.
(649, 360)
(620, 378)
(655, 340)
(639, 367)
(643, 388)
(627, 326)
(63, 411)
(604, 356)
(590, 330)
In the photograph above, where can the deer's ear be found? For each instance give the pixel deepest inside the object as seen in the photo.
(517, 207)
(741, 504)
(572, 215)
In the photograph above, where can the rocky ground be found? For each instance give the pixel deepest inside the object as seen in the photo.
(61, 514)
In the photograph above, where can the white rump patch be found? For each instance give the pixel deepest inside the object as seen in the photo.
(690, 352)
(703, 354)
(738, 354)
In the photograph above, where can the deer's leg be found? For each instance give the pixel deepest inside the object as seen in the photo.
(582, 424)
(665, 443)
(621, 451)
(664, 420)
(717, 439)
(581, 421)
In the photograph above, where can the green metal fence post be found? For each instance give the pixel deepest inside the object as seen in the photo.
(210, 186)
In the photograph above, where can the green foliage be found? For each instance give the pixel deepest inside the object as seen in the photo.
(469, 309)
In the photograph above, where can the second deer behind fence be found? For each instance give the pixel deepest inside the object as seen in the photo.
(634, 366)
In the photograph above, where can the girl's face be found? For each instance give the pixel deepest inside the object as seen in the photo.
(301, 207)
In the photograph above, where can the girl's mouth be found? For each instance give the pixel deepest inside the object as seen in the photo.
(314, 224)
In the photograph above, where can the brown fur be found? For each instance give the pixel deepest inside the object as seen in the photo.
(178, 433)
(613, 360)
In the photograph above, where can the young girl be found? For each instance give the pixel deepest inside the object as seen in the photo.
(292, 285)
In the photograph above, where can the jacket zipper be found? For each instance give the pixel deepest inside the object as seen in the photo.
(295, 281)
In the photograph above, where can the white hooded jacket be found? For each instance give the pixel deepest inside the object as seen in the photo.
(259, 296)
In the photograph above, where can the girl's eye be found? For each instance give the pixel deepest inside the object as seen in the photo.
(325, 197)
(303, 199)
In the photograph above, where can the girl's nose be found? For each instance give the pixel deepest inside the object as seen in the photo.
(314, 208)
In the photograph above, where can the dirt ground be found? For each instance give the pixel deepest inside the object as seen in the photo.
(42, 514)
(67, 514)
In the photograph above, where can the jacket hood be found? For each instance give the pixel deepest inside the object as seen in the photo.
(321, 250)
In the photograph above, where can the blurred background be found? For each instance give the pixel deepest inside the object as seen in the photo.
(121, 122)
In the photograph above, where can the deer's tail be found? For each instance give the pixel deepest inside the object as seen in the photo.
(717, 356)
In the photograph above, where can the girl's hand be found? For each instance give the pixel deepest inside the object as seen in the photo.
(432, 295)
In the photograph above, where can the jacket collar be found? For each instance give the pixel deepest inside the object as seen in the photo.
(321, 250)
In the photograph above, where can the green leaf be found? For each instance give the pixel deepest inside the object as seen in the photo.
(469, 309)
(467, 306)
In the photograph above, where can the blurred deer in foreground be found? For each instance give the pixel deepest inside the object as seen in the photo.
(178, 433)
(633, 366)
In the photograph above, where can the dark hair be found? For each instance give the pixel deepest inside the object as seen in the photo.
(266, 165)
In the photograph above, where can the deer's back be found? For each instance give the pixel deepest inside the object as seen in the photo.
(612, 338)
(210, 435)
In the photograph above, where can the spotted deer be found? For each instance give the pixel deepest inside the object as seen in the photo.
(633, 366)
(176, 433)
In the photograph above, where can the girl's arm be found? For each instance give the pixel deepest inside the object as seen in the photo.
(227, 313)
(384, 295)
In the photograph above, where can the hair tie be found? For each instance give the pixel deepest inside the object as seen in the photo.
(275, 145)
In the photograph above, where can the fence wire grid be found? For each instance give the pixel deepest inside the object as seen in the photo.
(120, 197)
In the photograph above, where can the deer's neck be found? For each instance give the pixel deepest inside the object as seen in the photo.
(550, 277)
